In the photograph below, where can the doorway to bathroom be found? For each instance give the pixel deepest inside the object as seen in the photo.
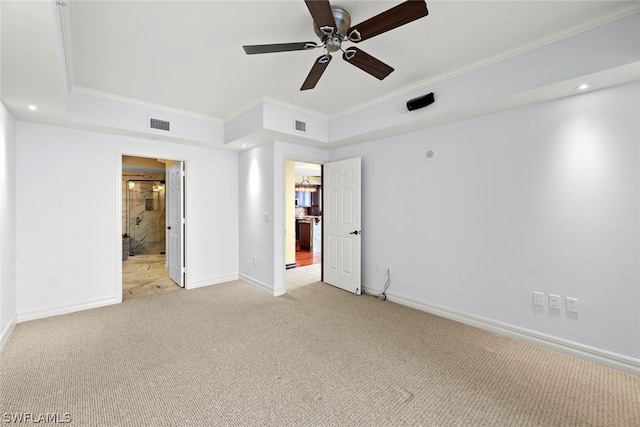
(145, 203)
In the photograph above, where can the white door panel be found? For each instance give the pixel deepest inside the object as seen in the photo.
(342, 192)
(175, 209)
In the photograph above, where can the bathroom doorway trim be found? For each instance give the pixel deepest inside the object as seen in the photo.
(118, 213)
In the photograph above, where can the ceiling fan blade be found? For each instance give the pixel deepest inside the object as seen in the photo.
(316, 72)
(366, 62)
(322, 15)
(388, 20)
(278, 47)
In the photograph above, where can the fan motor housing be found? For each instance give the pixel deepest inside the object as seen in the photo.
(343, 23)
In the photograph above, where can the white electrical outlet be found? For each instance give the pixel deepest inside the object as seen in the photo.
(378, 268)
(554, 301)
(538, 298)
(55, 279)
(572, 304)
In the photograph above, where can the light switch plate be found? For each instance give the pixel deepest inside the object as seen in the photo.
(538, 298)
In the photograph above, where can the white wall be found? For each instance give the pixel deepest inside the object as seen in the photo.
(540, 198)
(68, 216)
(262, 191)
(290, 211)
(7, 225)
(256, 178)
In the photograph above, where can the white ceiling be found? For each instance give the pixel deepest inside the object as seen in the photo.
(188, 56)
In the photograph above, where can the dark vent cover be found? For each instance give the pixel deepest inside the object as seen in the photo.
(300, 126)
(159, 124)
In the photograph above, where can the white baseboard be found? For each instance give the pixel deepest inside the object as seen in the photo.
(592, 354)
(6, 333)
(56, 310)
(216, 281)
(257, 284)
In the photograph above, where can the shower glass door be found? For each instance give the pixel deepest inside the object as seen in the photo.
(146, 217)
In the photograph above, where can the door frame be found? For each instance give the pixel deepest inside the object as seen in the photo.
(280, 251)
(118, 212)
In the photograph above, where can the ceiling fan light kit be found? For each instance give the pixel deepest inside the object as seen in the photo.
(333, 27)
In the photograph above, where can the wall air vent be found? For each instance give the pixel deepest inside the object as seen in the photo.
(159, 124)
(300, 126)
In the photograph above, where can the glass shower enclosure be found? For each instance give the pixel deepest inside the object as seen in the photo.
(145, 217)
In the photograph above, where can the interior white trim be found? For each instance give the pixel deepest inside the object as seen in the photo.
(55, 310)
(65, 37)
(257, 284)
(295, 108)
(581, 351)
(603, 19)
(278, 103)
(142, 104)
(214, 281)
(8, 331)
(280, 226)
(62, 17)
(158, 155)
(243, 110)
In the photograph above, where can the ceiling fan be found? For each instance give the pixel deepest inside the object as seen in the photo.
(333, 26)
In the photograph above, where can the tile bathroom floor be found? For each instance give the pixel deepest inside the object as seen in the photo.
(144, 275)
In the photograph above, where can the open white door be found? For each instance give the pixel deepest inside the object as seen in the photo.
(341, 224)
(175, 218)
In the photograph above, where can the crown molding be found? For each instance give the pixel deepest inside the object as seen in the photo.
(278, 103)
(619, 13)
(611, 16)
(64, 34)
(296, 108)
(143, 104)
(243, 110)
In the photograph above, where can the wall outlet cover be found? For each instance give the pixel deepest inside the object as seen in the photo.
(554, 301)
(572, 304)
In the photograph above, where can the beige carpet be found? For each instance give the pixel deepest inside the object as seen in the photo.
(318, 356)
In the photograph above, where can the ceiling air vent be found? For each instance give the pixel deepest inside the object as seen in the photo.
(159, 124)
(300, 126)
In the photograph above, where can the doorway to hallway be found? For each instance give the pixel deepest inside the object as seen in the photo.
(303, 200)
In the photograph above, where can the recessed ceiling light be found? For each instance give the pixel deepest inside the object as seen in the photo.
(583, 86)
(32, 107)
(243, 145)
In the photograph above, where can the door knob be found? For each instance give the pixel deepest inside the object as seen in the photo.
(356, 232)
(169, 228)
